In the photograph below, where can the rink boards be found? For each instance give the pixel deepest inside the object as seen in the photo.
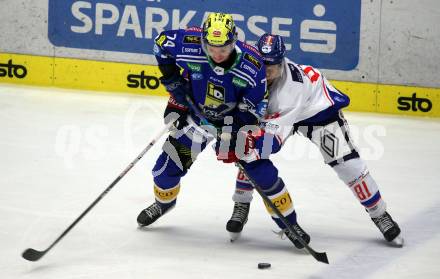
(143, 79)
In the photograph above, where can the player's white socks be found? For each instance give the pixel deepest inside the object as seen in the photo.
(243, 196)
(243, 189)
(355, 174)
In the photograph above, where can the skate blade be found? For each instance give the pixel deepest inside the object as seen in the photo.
(234, 236)
(398, 242)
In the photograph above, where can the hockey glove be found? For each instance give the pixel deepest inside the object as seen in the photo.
(177, 113)
(229, 149)
(249, 147)
(177, 86)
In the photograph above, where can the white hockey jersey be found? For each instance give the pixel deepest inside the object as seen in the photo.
(298, 95)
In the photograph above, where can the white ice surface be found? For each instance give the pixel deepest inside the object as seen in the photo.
(60, 149)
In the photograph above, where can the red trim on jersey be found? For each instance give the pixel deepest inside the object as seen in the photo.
(309, 69)
(326, 93)
(253, 49)
(172, 103)
(197, 29)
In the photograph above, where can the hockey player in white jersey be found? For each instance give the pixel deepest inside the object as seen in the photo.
(302, 101)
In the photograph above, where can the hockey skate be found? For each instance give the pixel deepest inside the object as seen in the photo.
(238, 220)
(389, 228)
(293, 238)
(150, 214)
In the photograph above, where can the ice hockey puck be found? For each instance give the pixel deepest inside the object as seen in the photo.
(263, 265)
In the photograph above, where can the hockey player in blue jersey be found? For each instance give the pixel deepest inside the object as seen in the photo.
(302, 100)
(225, 78)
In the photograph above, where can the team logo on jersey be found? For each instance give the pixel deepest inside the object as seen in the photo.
(254, 61)
(215, 95)
(190, 39)
(194, 67)
(239, 82)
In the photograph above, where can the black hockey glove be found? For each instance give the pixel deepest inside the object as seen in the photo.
(176, 112)
(177, 86)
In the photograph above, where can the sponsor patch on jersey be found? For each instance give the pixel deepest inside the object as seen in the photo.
(196, 76)
(254, 61)
(191, 50)
(239, 82)
(215, 95)
(161, 40)
(194, 67)
(191, 39)
(216, 80)
(248, 68)
(295, 73)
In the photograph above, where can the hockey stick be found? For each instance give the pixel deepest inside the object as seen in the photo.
(319, 256)
(34, 255)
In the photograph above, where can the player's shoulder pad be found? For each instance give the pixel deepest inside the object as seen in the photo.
(192, 36)
(180, 42)
(166, 43)
(250, 57)
(296, 73)
(191, 41)
(167, 38)
(250, 65)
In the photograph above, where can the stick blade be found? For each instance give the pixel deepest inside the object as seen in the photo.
(321, 257)
(32, 255)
